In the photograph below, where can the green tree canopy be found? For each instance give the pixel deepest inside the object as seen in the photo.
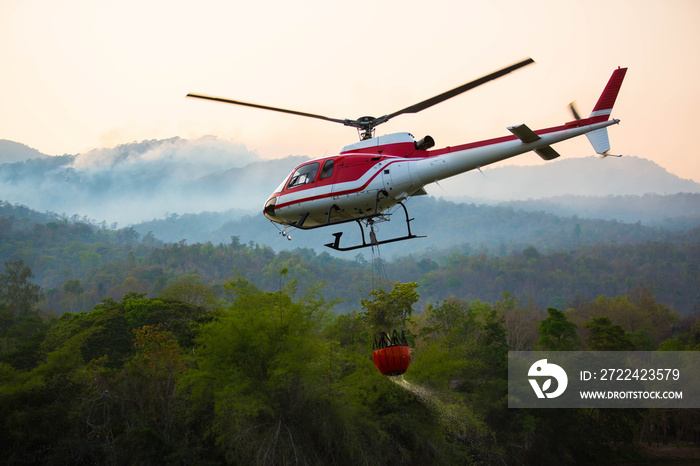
(16, 290)
(606, 336)
(388, 311)
(557, 333)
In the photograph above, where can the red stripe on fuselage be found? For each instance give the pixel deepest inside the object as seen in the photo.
(336, 193)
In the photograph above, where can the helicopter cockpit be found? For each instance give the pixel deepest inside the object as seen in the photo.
(304, 174)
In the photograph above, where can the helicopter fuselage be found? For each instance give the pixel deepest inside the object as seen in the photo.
(371, 176)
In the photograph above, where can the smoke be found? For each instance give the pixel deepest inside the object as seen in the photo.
(141, 181)
(184, 159)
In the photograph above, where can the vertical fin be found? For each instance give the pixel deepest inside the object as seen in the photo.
(603, 109)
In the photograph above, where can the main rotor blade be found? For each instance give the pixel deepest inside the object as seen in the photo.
(458, 90)
(265, 107)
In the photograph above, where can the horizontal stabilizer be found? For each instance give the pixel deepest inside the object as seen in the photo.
(524, 133)
(547, 153)
(527, 135)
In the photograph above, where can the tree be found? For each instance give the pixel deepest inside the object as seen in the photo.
(451, 324)
(388, 311)
(192, 292)
(557, 333)
(531, 253)
(73, 286)
(16, 291)
(152, 375)
(661, 319)
(520, 322)
(606, 336)
(260, 374)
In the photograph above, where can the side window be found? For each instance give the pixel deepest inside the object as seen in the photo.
(327, 170)
(304, 174)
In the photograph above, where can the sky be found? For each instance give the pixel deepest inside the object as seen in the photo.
(83, 74)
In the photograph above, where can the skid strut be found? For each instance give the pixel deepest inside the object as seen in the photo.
(373, 238)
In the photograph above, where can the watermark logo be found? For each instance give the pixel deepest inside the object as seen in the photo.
(604, 379)
(542, 368)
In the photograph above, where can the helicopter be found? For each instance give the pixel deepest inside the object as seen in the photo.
(371, 179)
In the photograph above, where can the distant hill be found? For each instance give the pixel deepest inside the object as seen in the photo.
(473, 252)
(11, 152)
(461, 227)
(587, 176)
(674, 211)
(156, 179)
(245, 188)
(133, 182)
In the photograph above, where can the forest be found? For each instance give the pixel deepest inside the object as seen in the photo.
(497, 229)
(78, 263)
(117, 348)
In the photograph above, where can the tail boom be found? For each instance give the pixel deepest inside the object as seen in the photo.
(451, 161)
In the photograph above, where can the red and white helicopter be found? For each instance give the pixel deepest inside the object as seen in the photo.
(376, 174)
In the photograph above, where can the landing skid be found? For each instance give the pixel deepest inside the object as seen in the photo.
(373, 238)
(369, 219)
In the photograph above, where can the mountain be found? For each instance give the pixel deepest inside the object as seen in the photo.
(156, 179)
(470, 251)
(11, 152)
(462, 228)
(132, 182)
(246, 188)
(587, 176)
(679, 211)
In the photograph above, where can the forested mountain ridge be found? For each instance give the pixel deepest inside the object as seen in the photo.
(679, 211)
(494, 229)
(108, 262)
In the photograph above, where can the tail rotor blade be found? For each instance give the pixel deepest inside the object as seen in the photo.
(572, 107)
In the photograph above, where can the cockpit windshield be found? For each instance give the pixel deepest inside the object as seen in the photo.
(304, 174)
(280, 187)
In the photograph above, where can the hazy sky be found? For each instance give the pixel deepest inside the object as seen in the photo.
(81, 74)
